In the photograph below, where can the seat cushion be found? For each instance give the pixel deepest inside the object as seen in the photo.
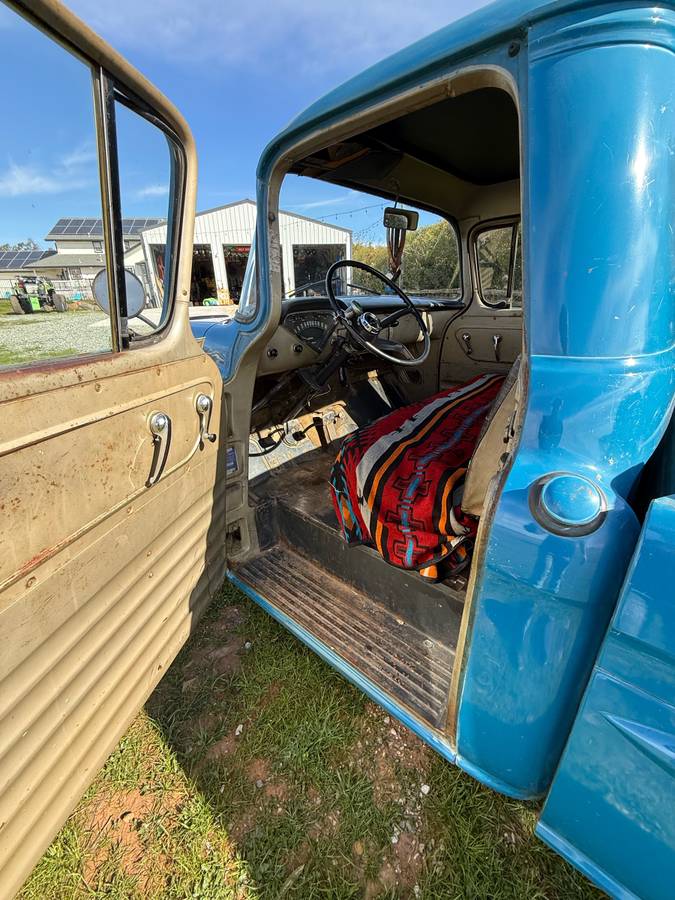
(397, 483)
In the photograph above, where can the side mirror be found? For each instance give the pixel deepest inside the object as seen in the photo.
(134, 288)
(403, 219)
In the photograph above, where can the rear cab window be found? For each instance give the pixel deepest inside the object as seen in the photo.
(499, 265)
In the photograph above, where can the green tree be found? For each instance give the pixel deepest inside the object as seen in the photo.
(430, 261)
(374, 255)
(28, 244)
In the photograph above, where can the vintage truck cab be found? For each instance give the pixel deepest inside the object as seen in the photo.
(312, 448)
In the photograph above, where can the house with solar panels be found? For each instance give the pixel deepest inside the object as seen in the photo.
(19, 264)
(77, 257)
(80, 254)
(222, 241)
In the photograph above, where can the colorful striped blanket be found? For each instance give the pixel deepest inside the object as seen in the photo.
(397, 483)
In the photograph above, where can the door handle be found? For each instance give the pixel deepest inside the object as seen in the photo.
(204, 405)
(466, 337)
(496, 341)
(160, 429)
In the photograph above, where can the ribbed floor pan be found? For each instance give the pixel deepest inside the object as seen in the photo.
(398, 658)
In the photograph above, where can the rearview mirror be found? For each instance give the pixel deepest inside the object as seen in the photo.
(403, 219)
(134, 289)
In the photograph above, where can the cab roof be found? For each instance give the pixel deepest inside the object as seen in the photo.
(489, 25)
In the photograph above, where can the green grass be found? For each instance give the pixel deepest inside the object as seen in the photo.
(32, 354)
(257, 772)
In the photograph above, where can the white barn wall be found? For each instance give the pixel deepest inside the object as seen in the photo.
(235, 224)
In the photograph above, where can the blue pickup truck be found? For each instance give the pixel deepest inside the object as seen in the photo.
(459, 492)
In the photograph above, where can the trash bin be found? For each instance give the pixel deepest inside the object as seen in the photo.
(60, 304)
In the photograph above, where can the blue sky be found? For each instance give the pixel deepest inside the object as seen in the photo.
(238, 72)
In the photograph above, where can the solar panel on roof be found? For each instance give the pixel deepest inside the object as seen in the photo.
(77, 227)
(17, 259)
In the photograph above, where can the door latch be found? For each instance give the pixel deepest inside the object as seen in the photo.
(466, 337)
(160, 429)
(496, 341)
(204, 405)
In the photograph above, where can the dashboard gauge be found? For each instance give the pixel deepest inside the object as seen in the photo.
(311, 328)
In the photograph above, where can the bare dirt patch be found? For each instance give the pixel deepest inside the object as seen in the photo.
(240, 827)
(222, 748)
(389, 754)
(326, 826)
(113, 828)
(400, 870)
(223, 659)
(219, 648)
(259, 772)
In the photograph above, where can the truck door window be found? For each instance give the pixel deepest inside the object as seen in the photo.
(148, 176)
(51, 222)
(499, 265)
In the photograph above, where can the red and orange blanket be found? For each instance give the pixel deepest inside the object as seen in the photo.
(397, 483)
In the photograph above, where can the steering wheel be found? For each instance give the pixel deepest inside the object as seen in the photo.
(365, 327)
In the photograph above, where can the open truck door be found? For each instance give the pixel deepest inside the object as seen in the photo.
(610, 810)
(112, 504)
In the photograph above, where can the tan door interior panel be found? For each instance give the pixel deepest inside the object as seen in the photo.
(101, 579)
(479, 343)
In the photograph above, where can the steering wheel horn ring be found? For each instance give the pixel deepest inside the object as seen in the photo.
(369, 322)
(365, 327)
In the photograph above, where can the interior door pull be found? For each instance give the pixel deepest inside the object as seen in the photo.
(496, 341)
(466, 337)
(160, 429)
(204, 406)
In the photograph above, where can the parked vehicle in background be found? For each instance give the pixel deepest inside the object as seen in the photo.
(499, 445)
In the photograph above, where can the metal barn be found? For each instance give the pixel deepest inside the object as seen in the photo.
(222, 243)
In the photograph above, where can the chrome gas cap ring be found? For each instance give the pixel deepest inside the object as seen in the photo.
(567, 504)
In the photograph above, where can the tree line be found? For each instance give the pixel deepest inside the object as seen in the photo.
(431, 263)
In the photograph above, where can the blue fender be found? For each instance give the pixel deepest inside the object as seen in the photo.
(611, 808)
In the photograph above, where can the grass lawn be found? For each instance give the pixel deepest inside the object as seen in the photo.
(255, 771)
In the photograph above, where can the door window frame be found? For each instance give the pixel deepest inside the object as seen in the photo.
(111, 92)
(107, 90)
(474, 235)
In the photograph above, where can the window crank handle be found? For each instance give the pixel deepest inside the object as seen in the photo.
(160, 429)
(204, 405)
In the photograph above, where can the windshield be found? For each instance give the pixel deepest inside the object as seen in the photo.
(429, 264)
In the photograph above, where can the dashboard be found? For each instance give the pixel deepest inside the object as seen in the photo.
(313, 328)
(302, 338)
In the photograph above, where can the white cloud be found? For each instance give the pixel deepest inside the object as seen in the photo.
(329, 201)
(73, 170)
(18, 180)
(81, 155)
(322, 36)
(153, 190)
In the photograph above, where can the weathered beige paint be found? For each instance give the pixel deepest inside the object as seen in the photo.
(101, 577)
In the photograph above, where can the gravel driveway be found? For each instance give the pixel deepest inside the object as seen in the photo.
(51, 334)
